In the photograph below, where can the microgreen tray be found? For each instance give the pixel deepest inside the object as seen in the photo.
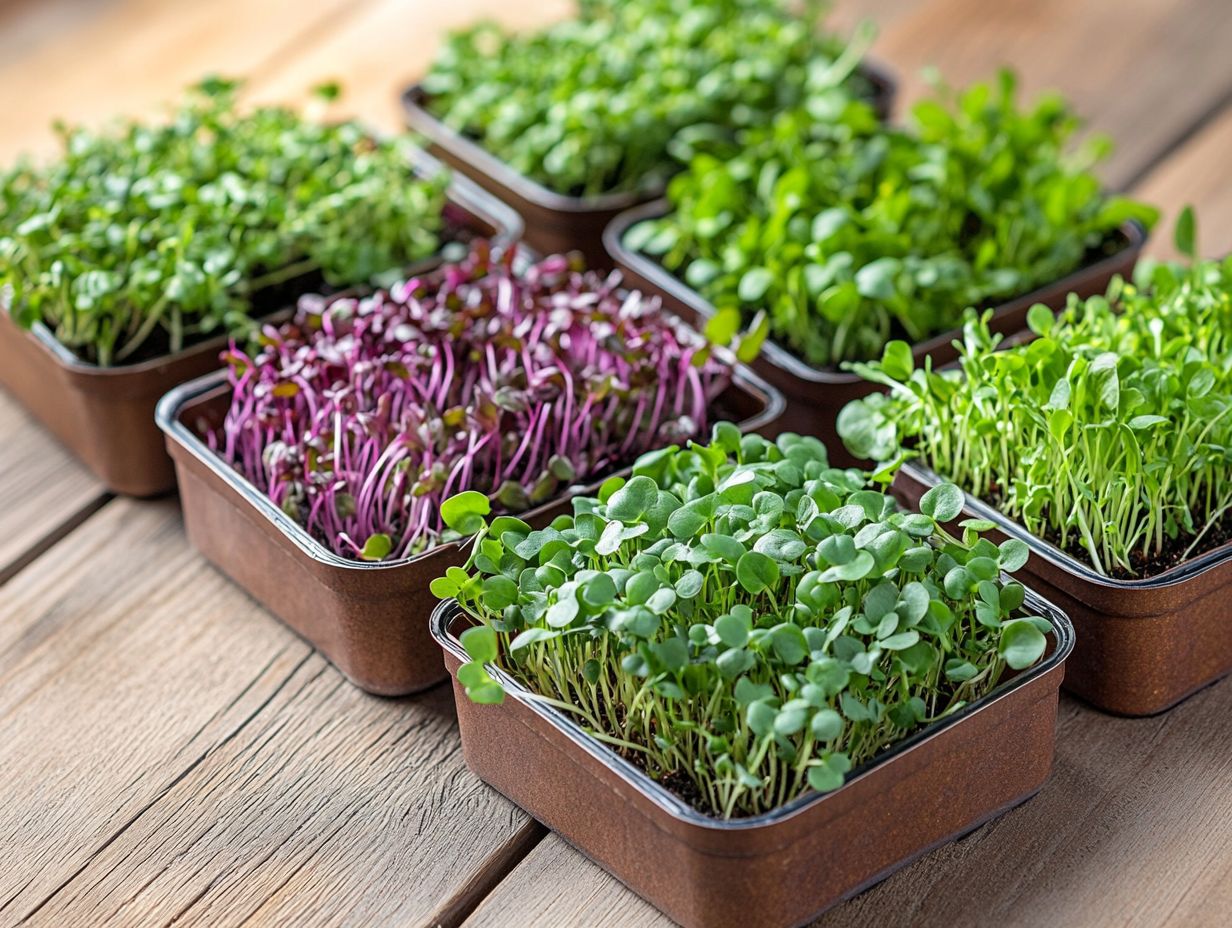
(786, 866)
(105, 415)
(368, 618)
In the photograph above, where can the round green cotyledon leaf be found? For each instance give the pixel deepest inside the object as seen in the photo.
(943, 502)
(1022, 644)
(756, 572)
(465, 512)
(378, 546)
(480, 644)
(633, 500)
(826, 725)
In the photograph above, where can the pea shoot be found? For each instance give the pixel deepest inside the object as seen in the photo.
(851, 234)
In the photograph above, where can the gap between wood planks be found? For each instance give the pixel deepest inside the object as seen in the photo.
(264, 786)
(68, 522)
(452, 912)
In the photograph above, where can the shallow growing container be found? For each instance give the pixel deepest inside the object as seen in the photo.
(105, 415)
(815, 396)
(1142, 645)
(784, 867)
(556, 222)
(369, 619)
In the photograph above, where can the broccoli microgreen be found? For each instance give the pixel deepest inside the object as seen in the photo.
(140, 239)
(613, 99)
(744, 616)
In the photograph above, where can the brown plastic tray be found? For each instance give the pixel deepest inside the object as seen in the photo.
(105, 415)
(556, 222)
(1142, 645)
(815, 396)
(785, 867)
(369, 619)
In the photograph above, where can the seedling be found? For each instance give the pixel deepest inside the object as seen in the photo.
(742, 618)
(1108, 434)
(852, 234)
(484, 387)
(140, 240)
(613, 100)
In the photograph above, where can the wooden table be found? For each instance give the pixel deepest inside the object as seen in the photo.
(171, 754)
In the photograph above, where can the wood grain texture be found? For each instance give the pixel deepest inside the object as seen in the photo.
(87, 62)
(1130, 831)
(44, 492)
(1199, 173)
(171, 753)
(1144, 71)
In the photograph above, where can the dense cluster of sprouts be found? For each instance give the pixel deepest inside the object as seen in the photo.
(360, 416)
(1108, 433)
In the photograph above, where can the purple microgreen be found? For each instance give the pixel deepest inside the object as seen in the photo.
(496, 387)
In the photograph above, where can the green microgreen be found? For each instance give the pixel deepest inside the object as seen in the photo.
(612, 100)
(850, 233)
(142, 238)
(1108, 434)
(742, 620)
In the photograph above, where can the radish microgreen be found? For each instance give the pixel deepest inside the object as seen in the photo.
(759, 623)
(475, 384)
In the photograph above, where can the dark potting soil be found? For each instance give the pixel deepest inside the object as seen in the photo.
(1172, 555)
(675, 782)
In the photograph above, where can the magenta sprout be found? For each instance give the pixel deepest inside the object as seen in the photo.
(360, 416)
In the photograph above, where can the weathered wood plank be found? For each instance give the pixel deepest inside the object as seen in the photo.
(1144, 71)
(385, 47)
(44, 492)
(115, 683)
(1128, 832)
(88, 62)
(170, 752)
(1199, 174)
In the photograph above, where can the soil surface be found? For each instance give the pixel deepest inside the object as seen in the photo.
(1173, 554)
